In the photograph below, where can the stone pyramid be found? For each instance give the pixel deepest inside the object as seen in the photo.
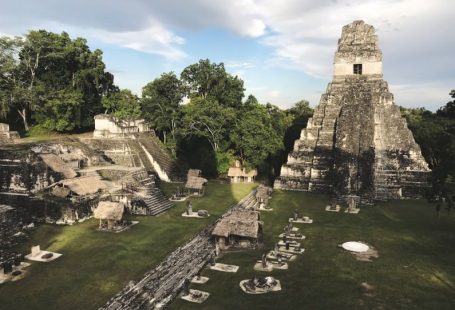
(357, 143)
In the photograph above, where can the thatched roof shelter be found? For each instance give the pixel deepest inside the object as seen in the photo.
(194, 173)
(107, 210)
(243, 223)
(58, 165)
(196, 183)
(241, 172)
(84, 185)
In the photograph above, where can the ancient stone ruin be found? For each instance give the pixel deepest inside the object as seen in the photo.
(159, 286)
(7, 136)
(357, 143)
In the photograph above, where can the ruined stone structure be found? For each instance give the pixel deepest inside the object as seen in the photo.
(152, 201)
(132, 143)
(159, 286)
(9, 226)
(108, 126)
(23, 172)
(7, 136)
(239, 174)
(357, 142)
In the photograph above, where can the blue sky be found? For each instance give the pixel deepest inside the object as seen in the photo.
(283, 50)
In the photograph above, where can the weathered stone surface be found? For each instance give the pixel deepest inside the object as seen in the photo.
(22, 171)
(7, 136)
(9, 226)
(357, 142)
(163, 283)
(143, 149)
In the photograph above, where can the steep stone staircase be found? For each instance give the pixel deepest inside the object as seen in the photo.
(155, 200)
(149, 143)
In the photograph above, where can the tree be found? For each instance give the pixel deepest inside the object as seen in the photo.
(122, 104)
(208, 119)
(251, 100)
(257, 135)
(17, 83)
(161, 103)
(300, 113)
(9, 49)
(449, 109)
(435, 133)
(44, 66)
(62, 110)
(211, 81)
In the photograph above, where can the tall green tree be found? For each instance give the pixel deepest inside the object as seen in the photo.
(161, 103)
(208, 119)
(122, 104)
(9, 49)
(211, 81)
(258, 134)
(449, 109)
(61, 110)
(300, 112)
(435, 133)
(43, 67)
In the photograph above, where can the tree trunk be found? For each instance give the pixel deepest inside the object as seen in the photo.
(23, 115)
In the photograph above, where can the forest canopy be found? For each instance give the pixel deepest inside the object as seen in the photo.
(202, 115)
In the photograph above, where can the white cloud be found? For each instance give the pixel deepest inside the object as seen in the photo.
(153, 39)
(274, 93)
(239, 65)
(423, 94)
(415, 35)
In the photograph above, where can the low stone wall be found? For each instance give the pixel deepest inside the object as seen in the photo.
(22, 171)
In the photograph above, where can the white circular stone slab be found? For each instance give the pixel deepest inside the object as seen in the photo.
(355, 246)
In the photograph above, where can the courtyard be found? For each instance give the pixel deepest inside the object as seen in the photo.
(96, 265)
(414, 270)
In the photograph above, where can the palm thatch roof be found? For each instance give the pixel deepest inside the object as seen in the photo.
(195, 183)
(58, 165)
(84, 185)
(243, 223)
(241, 172)
(107, 210)
(194, 173)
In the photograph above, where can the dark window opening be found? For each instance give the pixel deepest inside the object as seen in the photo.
(358, 69)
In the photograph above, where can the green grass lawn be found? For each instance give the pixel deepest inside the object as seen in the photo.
(415, 270)
(96, 265)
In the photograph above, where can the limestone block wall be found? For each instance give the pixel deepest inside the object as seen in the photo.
(107, 126)
(10, 224)
(22, 171)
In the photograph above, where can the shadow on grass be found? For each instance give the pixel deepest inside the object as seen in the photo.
(96, 265)
(412, 252)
